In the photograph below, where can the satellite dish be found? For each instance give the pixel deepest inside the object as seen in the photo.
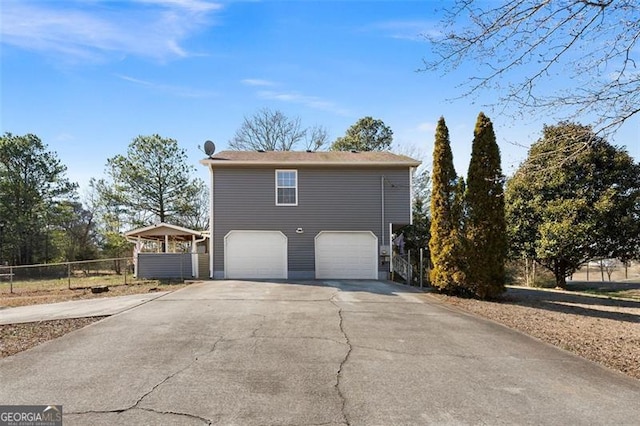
(209, 148)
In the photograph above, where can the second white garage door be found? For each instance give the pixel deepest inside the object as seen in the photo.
(346, 255)
(255, 255)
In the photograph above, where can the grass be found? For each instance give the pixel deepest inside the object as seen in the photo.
(625, 294)
(34, 292)
(63, 283)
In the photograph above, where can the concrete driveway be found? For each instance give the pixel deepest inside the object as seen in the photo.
(311, 353)
(75, 308)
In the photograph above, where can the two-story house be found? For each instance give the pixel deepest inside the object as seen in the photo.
(306, 215)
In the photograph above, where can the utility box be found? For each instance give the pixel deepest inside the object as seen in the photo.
(385, 254)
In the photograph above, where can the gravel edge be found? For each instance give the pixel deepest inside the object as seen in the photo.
(16, 338)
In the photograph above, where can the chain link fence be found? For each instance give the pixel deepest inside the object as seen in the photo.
(71, 275)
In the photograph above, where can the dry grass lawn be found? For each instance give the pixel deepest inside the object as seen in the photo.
(38, 292)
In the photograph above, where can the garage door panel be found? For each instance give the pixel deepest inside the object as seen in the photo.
(255, 255)
(346, 255)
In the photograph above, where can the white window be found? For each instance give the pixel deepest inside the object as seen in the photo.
(286, 187)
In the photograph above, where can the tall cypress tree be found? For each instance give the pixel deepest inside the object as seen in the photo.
(444, 241)
(486, 227)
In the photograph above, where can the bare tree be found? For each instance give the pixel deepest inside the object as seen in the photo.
(316, 138)
(270, 130)
(197, 215)
(518, 46)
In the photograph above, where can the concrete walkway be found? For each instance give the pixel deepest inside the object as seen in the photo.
(311, 353)
(75, 309)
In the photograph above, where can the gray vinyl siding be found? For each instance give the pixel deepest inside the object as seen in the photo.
(164, 265)
(329, 199)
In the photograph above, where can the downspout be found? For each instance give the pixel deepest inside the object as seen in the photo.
(390, 251)
(211, 234)
(194, 257)
(137, 259)
(411, 195)
(382, 208)
(194, 253)
(382, 225)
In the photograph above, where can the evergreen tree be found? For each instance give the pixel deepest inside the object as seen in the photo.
(416, 235)
(486, 227)
(562, 212)
(33, 183)
(444, 244)
(152, 183)
(459, 237)
(367, 134)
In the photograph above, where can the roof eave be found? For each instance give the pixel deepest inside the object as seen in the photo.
(140, 231)
(243, 163)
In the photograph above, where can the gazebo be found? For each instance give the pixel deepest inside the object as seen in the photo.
(169, 251)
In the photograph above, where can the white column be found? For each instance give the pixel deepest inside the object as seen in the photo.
(194, 257)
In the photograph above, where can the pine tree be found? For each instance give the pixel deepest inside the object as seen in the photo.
(444, 243)
(486, 248)
(416, 235)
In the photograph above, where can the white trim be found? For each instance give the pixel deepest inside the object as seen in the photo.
(139, 231)
(277, 187)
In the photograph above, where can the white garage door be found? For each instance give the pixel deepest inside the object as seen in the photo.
(346, 255)
(255, 254)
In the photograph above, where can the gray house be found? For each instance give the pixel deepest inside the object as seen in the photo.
(306, 215)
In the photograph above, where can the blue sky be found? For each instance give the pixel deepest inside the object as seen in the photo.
(89, 76)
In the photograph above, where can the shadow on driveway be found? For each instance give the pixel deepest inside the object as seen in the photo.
(383, 288)
(577, 304)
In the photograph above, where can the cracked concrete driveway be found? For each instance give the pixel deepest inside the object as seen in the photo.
(311, 353)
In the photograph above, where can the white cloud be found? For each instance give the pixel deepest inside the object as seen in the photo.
(308, 101)
(407, 30)
(179, 91)
(313, 102)
(257, 82)
(427, 127)
(190, 5)
(98, 31)
(64, 137)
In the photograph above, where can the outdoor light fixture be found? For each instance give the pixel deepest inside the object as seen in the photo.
(299, 231)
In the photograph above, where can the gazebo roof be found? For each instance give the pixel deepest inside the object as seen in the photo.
(161, 230)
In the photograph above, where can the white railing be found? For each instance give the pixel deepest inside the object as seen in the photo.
(402, 267)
